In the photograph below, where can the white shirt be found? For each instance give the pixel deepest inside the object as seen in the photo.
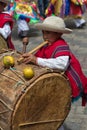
(61, 62)
(5, 31)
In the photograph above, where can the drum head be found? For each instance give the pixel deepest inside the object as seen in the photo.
(44, 104)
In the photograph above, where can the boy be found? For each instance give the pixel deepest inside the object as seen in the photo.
(57, 55)
(6, 24)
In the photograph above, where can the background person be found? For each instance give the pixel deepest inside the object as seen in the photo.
(23, 31)
(68, 9)
(6, 24)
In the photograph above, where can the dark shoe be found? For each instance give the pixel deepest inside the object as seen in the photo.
(84, 24)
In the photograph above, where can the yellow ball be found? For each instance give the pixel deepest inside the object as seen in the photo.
(28, 72)
(8, 61)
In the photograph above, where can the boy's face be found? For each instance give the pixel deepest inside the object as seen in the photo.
(51, 36)
(2, 6)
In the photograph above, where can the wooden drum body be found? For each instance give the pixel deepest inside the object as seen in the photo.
(41, 103)
(3, 44)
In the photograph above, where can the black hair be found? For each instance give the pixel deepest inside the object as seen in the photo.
(2, 3)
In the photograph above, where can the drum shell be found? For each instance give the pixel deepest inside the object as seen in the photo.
(3, 43)
(41, 103)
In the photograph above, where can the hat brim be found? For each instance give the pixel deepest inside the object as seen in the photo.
(53, 28)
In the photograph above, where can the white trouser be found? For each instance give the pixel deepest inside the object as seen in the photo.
(79, 21)
(22, 25)
(61, 128)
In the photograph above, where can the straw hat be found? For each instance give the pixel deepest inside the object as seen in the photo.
(54, 24)
(5, 1)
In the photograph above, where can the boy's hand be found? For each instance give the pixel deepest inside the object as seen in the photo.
(29, 58)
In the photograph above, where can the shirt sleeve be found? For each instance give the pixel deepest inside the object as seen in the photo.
(61, 62)
(5, 31)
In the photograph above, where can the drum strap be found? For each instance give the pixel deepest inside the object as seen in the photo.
(76, 78)
(59, 49)
(64, 50)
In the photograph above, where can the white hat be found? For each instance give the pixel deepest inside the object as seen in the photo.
(5, 1)
(54, 24)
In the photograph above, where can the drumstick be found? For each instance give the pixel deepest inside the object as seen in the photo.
(32, 51)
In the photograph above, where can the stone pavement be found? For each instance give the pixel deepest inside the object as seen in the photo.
(77, 118)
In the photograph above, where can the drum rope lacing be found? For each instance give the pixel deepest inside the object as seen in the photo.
(18, 82)
(21, 81)
(6, 105)
(6, 53)
(16, 73)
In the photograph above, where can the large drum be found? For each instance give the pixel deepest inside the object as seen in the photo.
(41, 103)
(3, 44)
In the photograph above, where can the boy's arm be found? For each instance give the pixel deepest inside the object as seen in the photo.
(61, 62)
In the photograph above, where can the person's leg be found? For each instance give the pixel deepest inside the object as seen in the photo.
(79, 22)
(40, 7)
(46, 3)
(23, 31)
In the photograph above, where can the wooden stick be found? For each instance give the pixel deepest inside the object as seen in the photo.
(24, 48)
(32, 51)
(40, 122)
(38, 47)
